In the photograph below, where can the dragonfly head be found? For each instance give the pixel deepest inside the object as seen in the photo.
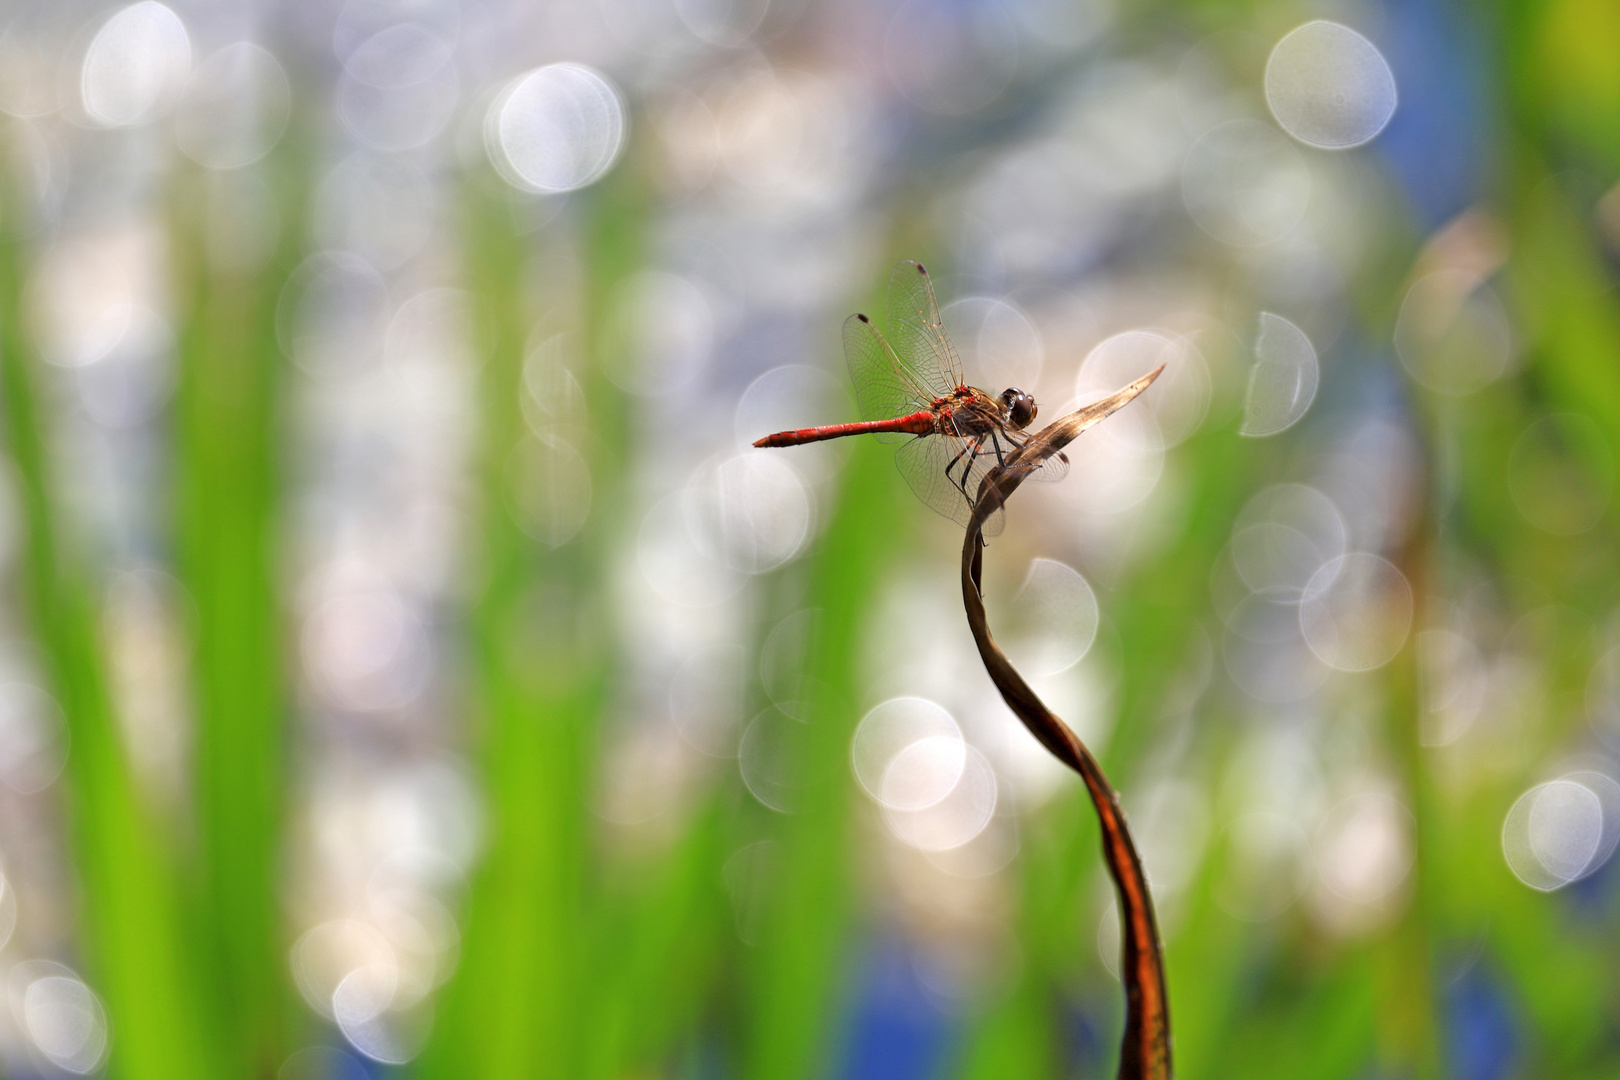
(1021, 408)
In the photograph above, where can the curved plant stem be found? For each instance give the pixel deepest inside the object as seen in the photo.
(1145, 1051)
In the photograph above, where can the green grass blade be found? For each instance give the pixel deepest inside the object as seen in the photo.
(227, 507)
(791, 979)
(131, 930)
(520, 1001)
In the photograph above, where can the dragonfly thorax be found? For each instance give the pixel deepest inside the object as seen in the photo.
(1020, 408)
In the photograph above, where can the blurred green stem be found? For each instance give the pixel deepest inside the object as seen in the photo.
(793, 974)
(520, 1005)
(227, 509)
(125, 866)
(1407, 1006)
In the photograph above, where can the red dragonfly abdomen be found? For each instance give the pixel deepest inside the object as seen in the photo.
(918, 423)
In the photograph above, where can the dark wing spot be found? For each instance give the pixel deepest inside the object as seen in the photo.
(921, 269)
(861, 317)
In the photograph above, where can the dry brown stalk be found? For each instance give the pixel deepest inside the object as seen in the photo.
(1145, 1050)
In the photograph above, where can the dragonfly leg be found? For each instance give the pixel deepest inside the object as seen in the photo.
(951, 464)
(995, 442)
(969, 451)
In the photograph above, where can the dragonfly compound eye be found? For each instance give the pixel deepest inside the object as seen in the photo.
(1021, 408)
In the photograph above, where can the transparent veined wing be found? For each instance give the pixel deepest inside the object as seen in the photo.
(918, 334)
(943, 471)
(915, 368)
(1053, 468)
(884, 389)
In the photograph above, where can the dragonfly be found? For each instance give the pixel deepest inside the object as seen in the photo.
(910, 389)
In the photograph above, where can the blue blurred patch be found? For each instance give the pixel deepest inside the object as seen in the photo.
(1087, 1050)
(1481, 1031)
(1592, 898)
(1435, 144)
(894, 1031)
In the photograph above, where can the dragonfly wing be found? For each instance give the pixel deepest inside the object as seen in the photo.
(1052, 469)
(944, 472)
(884, 389)
(917, 332)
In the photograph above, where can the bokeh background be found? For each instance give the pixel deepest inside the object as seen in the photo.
(408, 668)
